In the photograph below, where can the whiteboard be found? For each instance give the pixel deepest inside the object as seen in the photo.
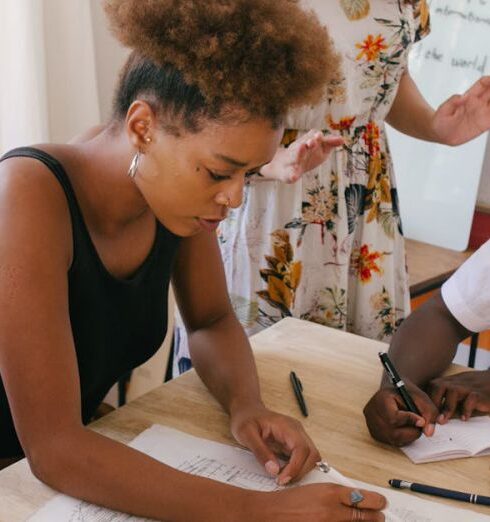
(437, 184)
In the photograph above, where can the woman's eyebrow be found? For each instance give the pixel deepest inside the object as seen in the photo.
(231, 161)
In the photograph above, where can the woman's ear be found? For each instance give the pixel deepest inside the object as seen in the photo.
(140, 124)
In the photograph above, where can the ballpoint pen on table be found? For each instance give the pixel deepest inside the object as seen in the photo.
(298, 392)
(398, 383)
(473, 498)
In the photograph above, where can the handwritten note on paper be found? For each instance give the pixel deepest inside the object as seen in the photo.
(229, 473)
(237, 467)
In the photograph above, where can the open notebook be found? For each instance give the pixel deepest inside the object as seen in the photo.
(238, 467)
(454, 440)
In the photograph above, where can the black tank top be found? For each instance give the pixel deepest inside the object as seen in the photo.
(116, 324)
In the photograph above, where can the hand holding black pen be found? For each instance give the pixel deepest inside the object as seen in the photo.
(398, 383)
(400, 413)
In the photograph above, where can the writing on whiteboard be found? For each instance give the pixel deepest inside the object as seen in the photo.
(468, 16)
(478, 61)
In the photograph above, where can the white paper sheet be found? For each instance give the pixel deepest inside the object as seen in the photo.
(237, 467)
(456, 439)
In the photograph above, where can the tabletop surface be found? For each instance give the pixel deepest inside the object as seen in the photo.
(429, 266)
(339, 372)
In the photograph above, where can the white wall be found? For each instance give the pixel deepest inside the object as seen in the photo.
(109, 58)
(71, 78)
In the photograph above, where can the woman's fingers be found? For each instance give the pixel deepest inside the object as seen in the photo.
(362, 515)
(332, 141)
(296, 463)
(371, 500)
(302, 452)
(251, 438)
(302, 460)
(479, 88)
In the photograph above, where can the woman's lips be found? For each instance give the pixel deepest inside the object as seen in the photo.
(209, 224)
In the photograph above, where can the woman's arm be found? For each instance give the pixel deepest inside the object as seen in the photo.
(411, 113)
(456, 121)
(223, 358)
(39, 371)
(219, 347)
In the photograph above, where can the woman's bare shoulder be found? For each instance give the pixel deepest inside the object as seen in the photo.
(33, 205)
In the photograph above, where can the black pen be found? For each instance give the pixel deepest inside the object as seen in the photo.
(398, 383)
(298, 392)
(473, 498)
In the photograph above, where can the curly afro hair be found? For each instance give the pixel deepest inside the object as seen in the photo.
(198, 57)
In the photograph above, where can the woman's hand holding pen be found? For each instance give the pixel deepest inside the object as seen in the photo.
(271, 436)
(389, 421)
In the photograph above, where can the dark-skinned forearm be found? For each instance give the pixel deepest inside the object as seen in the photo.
(91, 467)
(222, 357)
(425, 344)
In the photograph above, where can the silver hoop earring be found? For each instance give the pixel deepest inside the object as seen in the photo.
(133, 168)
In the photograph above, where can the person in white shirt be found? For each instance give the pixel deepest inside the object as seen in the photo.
(423, 348)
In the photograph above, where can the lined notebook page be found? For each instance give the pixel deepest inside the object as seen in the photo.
(456, 439)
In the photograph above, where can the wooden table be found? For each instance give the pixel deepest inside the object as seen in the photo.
(429, 266)
(339, 372)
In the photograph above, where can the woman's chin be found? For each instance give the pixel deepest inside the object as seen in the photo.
(183, 227)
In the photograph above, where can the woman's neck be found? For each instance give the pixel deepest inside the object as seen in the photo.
(111, 199)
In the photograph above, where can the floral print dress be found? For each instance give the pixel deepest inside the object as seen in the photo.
(329, 248)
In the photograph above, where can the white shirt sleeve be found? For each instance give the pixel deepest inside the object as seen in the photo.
(467, 292)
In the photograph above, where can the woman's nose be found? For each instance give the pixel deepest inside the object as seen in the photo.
(236, 192)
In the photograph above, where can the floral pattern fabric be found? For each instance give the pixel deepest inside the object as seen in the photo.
(329, 248)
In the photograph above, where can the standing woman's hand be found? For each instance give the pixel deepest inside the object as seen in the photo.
(303, 155)
(272, 436)
(464, 117)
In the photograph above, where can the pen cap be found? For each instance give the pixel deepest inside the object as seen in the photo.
(388, 365)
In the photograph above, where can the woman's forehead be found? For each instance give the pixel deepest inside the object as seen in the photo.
(239, 145)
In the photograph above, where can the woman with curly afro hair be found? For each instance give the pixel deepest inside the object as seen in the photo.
(93, 230)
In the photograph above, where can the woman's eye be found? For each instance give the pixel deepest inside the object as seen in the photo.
(217, 177)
